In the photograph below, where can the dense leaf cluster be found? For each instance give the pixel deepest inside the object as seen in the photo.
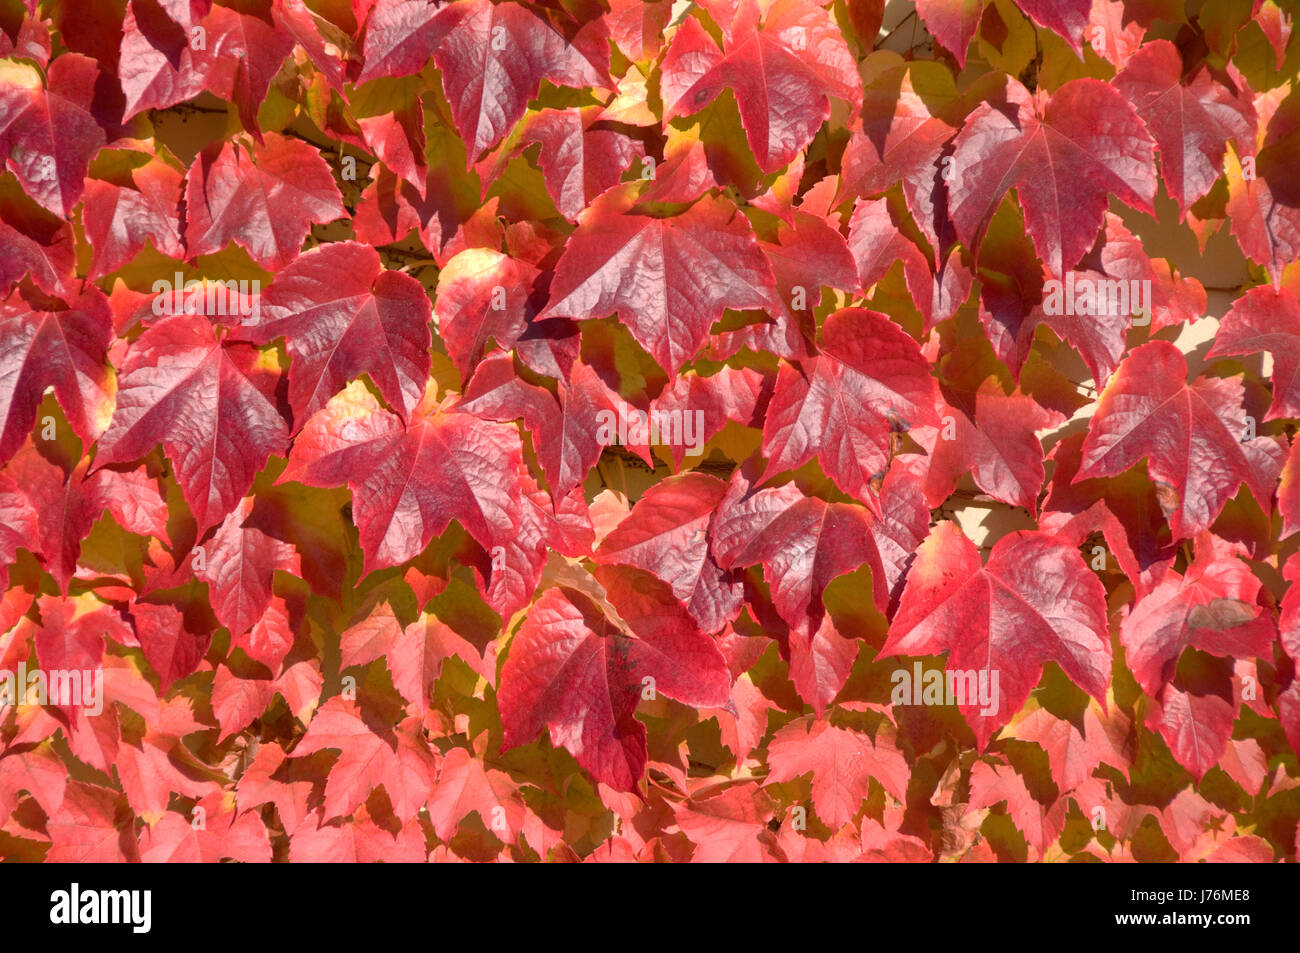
(621, 430)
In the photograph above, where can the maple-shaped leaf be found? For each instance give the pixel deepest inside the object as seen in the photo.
(804, 542)
(271, 637)
(371, 755)
(841, 406)
(238, 563)
(414, 654)
(39, 772)
(579, 160)
(1064, 156)
(1075, 746)
(264, 201)
(224, 833)
(466, 785)
(668, 279)
(842, 763)
(49, 135)
(952, 22)
(120, 220)
(68, 502)
(482, 295)
(92, 825)
(1035, 601)
(1210, 607)
(1191, 435)
(667, 534)
(410, 480)
(343, 315)
(876, 243)
(493, 58)
(783, 73)
(158, 764)
(241, 692)
(45, 342)
(579, 671)
(997, 444)
(727, 827)
(1192, 118)
(73, 632)
(1266, 319)
(165, 61)
(210, 403)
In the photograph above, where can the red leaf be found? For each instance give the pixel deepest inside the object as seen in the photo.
(343, 315)
(47, 343)
(414, 655)
(1266, 319)
(1063, 157)
(171, 650)
(1211, 607)
(1041, 824)
(804, 542)
(1263, 207)
(408, 482)
(493, 59)
(49, 136)
(239, 561)
(667, 534)
(782, 74)
(90, 827)
(223, 834)
(370, 756)
(842, 763)
(726, 828)
(952, 23)
(841, 406)
(998, 445)
(466, 785)
(1191, 437)
(482, 295)
(1191, 119)
(208, 402)
(669, 279)
(566, 434)
(1034, 602)
(265, 201)
(577, 671)
(119, 221)
(400, 38)
(578, 160)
